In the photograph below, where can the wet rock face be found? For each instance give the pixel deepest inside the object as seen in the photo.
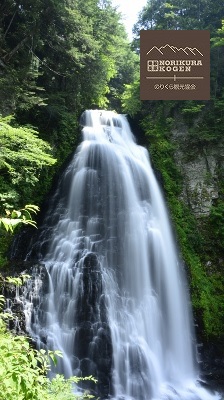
(212, 365)
(89, 296)
(16, 296)
(18, 323)
(200, 184)
(13, 304)
(93, 345)
(199, 167)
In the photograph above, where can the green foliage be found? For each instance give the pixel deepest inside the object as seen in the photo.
(205, 126)
(130, 98)
(23, 372)
(10, 223)
(17, 281)
(206, 292)
(217, 222)
(219, 39)
(23, 369)
(180, 15)
(17, 217)
(192, 108)
(127, 67)
(22, 157)
(162, 149)
(61, 388)
(74, 48)
(23, 154)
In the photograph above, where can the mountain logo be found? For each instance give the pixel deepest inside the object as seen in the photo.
(174, 64)
(168, 50)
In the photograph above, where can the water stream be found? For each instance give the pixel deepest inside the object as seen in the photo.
(114, 297)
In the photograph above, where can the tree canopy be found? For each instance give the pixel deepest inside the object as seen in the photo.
(69, 47)
(22, 157)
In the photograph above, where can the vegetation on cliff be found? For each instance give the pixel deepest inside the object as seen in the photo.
(199, 236)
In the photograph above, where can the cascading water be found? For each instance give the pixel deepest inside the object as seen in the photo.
(115, 299)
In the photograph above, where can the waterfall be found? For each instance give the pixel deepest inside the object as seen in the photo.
(113, 297)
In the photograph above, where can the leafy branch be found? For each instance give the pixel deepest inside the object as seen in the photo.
(18, 217)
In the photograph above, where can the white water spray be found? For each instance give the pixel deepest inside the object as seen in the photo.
(116, 300)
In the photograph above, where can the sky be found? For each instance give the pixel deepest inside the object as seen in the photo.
(129, 10)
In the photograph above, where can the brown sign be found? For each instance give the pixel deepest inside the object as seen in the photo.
(174, 65)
